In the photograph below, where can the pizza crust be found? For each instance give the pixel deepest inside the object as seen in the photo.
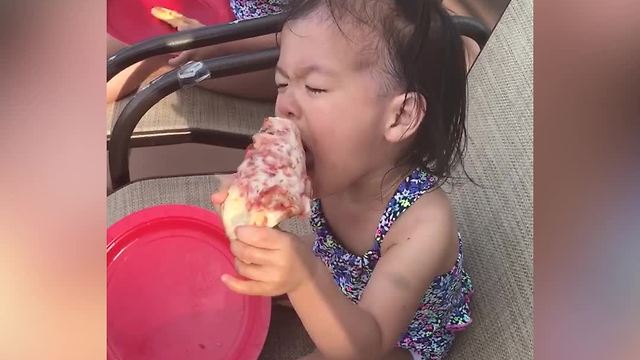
(171, 17)
(235, 213)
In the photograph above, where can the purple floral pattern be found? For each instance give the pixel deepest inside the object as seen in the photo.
(251, 9)
(443, 310)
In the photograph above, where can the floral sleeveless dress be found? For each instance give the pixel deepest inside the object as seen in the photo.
(444, 308)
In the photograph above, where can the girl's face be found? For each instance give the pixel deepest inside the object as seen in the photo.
(326, 85)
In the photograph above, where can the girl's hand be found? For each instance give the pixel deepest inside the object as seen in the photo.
(188, 23)
(273, 262)
(191, 54)
(220, 195)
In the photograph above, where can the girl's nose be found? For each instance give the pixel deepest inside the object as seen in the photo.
(287, 105)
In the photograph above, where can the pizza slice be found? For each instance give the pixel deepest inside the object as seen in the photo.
(171, 17)
(271, 183)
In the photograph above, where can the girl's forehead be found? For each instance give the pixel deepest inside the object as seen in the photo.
(320, 40)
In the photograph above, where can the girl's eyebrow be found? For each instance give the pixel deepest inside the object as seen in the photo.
(306, 70)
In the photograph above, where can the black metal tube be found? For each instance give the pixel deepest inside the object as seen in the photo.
(191, 39)
(119, 144)
(242, 63)
(127, 121)
(473, 29)
(216, 34)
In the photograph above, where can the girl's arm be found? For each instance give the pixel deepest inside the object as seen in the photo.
(422, 250)
(129, 79)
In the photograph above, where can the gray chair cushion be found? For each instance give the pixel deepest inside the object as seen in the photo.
(497, 218)
(189, 190)
(195, 108)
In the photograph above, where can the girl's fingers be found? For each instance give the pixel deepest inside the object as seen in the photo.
(246, 287)
(252, 271)
(252, 255)
(217, 198)
(188, 24)
(261, 237)
(180, 59)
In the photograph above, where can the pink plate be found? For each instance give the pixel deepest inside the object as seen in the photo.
(165, 299)
(130, 21)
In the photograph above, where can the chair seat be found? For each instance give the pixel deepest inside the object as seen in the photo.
(196, 109)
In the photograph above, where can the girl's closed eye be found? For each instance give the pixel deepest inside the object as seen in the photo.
(281, 85)
(314, 90)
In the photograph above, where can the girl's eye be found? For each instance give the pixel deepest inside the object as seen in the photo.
(281, 86)
(315, 90)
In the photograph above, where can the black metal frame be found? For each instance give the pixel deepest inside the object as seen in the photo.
(473, 29)
(191, 39)
(190, 74)
(166, 84)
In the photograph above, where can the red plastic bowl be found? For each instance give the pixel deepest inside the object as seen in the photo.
(165, 299)
(130, 21)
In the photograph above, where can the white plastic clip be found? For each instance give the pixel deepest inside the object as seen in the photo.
(192, 73)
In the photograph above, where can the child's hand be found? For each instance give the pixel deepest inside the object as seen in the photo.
(191, 54)
(220, 195)
(188, 24)
(273, 262)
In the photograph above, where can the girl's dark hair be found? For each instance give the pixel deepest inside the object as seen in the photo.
(424, 55)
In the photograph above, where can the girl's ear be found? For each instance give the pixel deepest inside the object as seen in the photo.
(405, 116)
